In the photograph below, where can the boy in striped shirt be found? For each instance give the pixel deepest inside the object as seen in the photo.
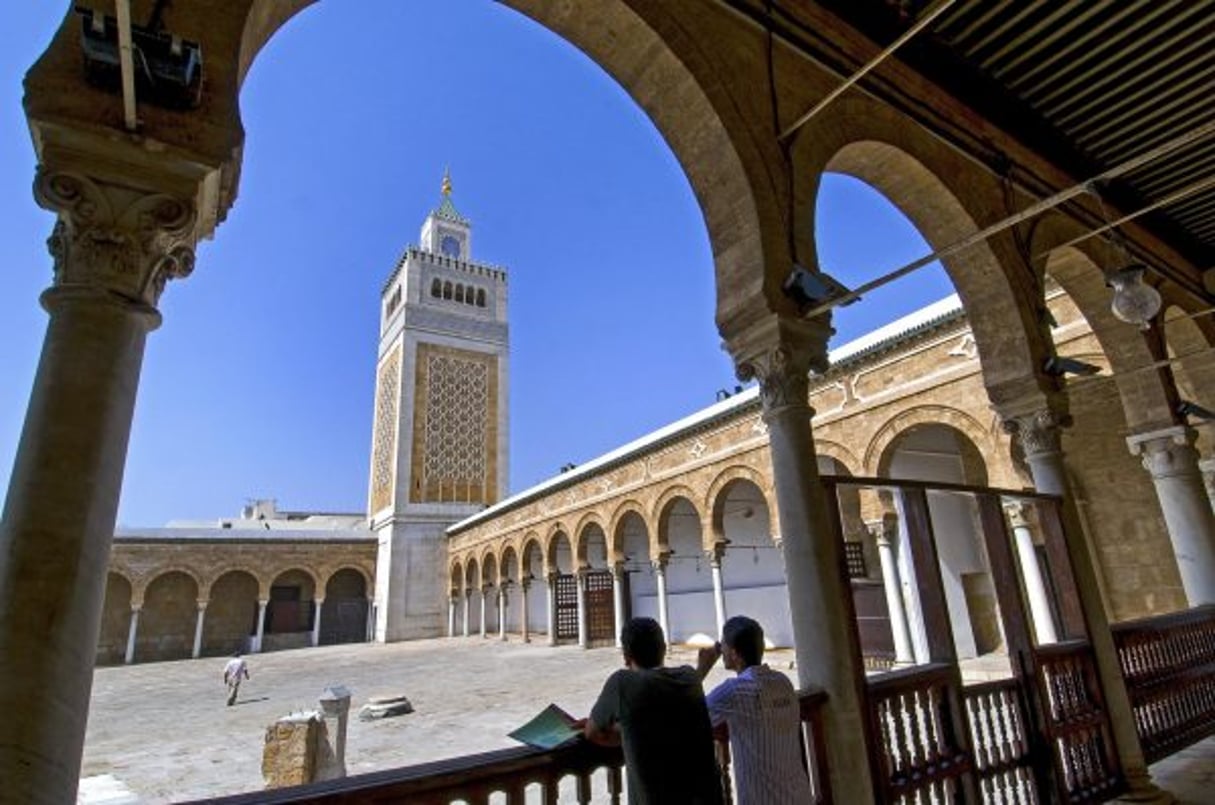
(760, 709)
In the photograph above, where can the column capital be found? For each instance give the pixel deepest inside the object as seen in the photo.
(202, 604)
(1167, 452)
(877, 529)
(660, 562)
(780, 352)
(716, 553)
(114, 238)
(1038, 432)
(1019, 513)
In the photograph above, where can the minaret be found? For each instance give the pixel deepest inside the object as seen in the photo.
(439, 442)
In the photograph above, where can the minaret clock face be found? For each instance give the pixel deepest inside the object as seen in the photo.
(450, 245)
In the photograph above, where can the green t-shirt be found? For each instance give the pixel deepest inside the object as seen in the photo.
(665, 733)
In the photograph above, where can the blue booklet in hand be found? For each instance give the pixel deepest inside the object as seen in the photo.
(551, 728)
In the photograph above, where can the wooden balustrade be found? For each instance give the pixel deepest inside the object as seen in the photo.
(523, 774)
(1168, 662)
(995, 714)
(509, 776)
(921, 754)
(1075, 722)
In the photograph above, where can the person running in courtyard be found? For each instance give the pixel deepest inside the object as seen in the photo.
(658, 714)
(760, 709)
(236, 670)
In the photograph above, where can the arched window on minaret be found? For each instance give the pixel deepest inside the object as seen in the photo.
(436, 288)
(447, 290)
(459, 293)
(480, 297)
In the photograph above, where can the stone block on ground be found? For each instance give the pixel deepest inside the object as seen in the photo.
(384, 707)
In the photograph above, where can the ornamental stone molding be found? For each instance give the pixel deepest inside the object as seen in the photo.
(1166, 453)
(116, 239)
(1038, 432)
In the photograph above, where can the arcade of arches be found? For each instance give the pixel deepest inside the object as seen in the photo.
(958, 139)
(174, 598)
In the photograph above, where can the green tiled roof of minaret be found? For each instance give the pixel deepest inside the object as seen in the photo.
(446, 209)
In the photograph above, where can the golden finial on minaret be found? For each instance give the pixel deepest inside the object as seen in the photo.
(446, 182)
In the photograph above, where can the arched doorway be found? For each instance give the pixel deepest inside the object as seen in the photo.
(231, 618)
(168, 618)
(344, 614)
(290, 612)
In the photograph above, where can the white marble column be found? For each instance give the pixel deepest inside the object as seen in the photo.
(198, 629)
(114, 248)
(551, 591)
(467, 610)
(580, 581)
(483, 591)
(316, 622)
(719, 591)
(261, 624)
(618, 599)
(524, 586)
(1031, 573)
(132, 632)
(660, 579)
(1170, 457)
(451, 615)
(369, 635)
(1039, 432)
(892, 585)
(503, 600)
(779, 352)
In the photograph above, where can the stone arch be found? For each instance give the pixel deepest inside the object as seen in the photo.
(343, 616)
(530, 546)
(472, 574)
(715, 497)
(668, 498)
(456, 576)
(489, 568)
(510, 559)
(368, 578)
(141, 584)
(840, 453)
(588, 519)
(552, 537)
(947, 198)
(728, 155)
(616, 523)
(878, 450)
(168, 617)
(1079, 270)
(231, 611)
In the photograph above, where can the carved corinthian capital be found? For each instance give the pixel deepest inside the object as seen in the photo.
(116, 239)
(1038, 432)
(779, 353)
(1166, 453)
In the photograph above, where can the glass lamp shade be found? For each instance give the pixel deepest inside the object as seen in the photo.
(1135, 302)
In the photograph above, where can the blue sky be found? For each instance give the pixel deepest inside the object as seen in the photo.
(260, 381)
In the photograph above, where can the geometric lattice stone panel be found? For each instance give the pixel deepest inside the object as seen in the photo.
(383, 451)
(455, 426)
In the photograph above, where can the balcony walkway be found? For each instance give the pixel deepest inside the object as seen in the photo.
(162, 730)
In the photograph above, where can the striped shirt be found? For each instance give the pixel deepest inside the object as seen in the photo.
(760, 709)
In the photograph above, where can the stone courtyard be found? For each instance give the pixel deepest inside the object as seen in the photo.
(161, 732)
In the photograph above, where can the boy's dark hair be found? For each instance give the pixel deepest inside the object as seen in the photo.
(643, 642)
(745, 636)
